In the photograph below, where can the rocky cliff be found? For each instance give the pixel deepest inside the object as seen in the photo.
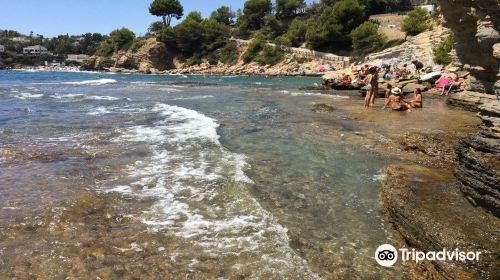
(476, 28)
(479, 161)
(151, 57)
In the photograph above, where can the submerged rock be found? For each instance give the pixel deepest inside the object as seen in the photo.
(322, 108)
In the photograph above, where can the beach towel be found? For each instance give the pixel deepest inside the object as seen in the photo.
(443, 82)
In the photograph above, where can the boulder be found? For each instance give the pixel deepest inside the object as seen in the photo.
(486, 33)
(475, 85)
(496, 50)
(411, 87)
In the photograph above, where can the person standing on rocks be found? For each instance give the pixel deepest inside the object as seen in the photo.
(372, 82)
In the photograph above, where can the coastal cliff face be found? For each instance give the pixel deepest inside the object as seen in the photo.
(475, 25)
(479, 161)
(151, 57)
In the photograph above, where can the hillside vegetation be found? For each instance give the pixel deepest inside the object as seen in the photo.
(339, 26)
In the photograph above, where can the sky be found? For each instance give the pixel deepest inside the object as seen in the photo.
(54, 17)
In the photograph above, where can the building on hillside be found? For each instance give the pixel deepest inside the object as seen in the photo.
(77, 57)
(2, 48)
(429, 8)
(20, 39)
(36, 50)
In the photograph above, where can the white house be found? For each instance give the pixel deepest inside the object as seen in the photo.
(2, 48)
(35, 50)
(77, 57)
(20, 39)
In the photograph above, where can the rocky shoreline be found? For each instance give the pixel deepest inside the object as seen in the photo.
(430, 209)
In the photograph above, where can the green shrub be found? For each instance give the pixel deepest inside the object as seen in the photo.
(367, 38)
(270, 55)
(442, 51)
(229, 54)
(283, 41)
(105, 49)
(254, 48)
(416, 22)
(121, 38)
(296, 33)
(194, 60)
(272, 27)
(137, 44)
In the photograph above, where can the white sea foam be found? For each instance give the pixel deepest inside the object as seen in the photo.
(170, 89)
(27, 95)
(92, 82)
(99, 111)
(79, 97)
(193, 97)
(336, 96)
(187, 175)
(66, 96)
(99, 97)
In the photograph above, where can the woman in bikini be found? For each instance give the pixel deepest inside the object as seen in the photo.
(372, 81)
(397, 102)
(417, 101)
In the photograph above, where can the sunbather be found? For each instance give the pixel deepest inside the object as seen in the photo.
(452, 85)
(418, 101)
(397, 102)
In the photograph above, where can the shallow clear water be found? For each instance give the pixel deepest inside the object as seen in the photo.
(238, 172)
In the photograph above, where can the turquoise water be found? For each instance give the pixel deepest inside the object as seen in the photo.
(229, 176)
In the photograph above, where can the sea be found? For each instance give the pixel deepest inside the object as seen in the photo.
(116, 176)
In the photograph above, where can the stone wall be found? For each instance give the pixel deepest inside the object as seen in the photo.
(340, 62)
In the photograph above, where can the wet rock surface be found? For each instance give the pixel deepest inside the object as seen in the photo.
(430, 214)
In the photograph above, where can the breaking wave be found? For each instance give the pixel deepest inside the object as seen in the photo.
(200, 192)
(92, 82)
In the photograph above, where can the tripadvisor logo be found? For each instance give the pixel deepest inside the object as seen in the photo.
(386, 255)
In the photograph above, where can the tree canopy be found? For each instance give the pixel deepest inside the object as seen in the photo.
(289, 8)
(416, 22)
(167, 9)
(367, 38)
(223, 15)
(254, 12)
(195, 36)
(330, 32)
